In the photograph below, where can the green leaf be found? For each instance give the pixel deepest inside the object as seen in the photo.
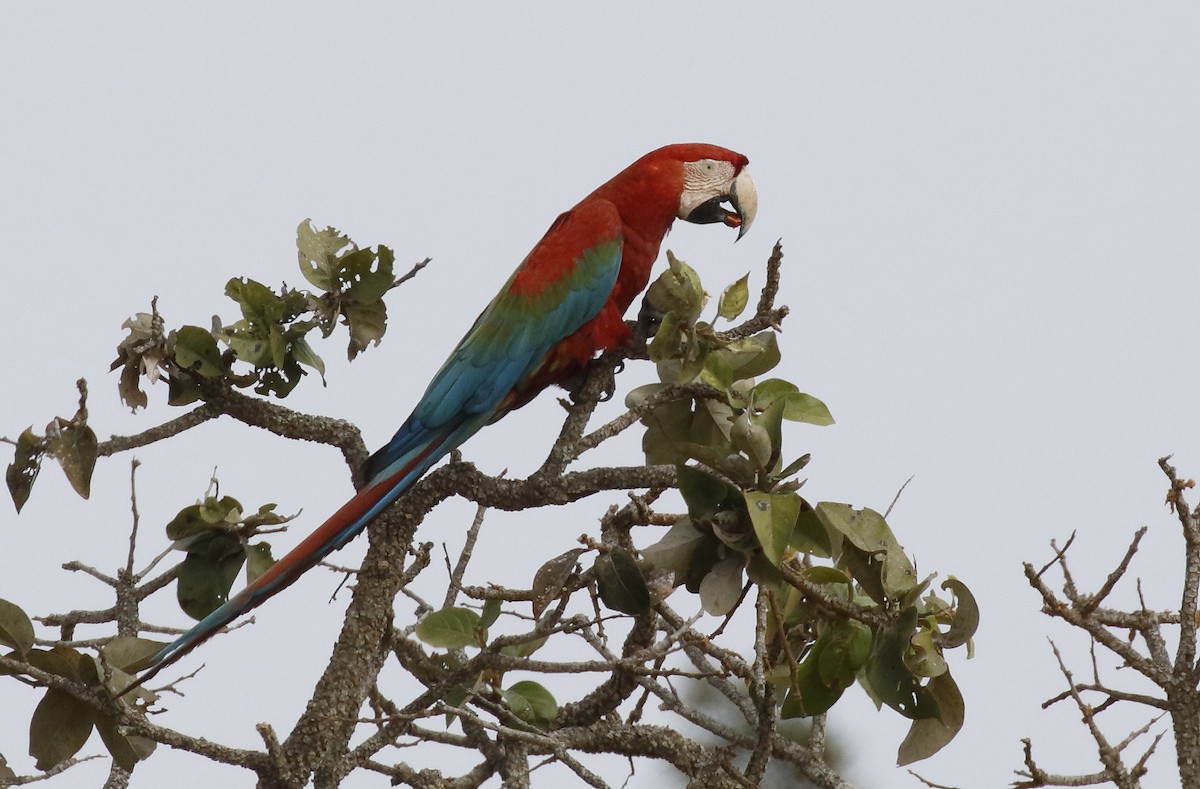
(717, 372)
(678, 289)
(641, 394)
(318, 252)
(25, 467)
(303, 353)
(734, 299)
(451, 628)
(16, 631)
(261, 307)
(551, 577)
(887, 675)
(881, 564)
(704, 558)
(923, 658)
(129, 653)
(665, 344)
(802, 407)
(966, 615)
(126, 751)
(258, 560)
(810, 535)
(674, 551)
(208, 516)
(367, 322)
(793, 467)
(266, 516)
(753, 356)
(666, 427)
(821, 679)
(366, 274)
(182, 391)
(620, 583)
(771, 420)
(767, 392)
(60, 726)
(532, 703)
(490, 613)
(847, 647)
(753, 440)
(207, 574)
(196, 350)
(76, 448)
(927, 736)
(774, 518)
(722, 586)
(61, 661)
(703, 493)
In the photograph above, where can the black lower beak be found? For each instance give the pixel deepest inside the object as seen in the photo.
(708, 212)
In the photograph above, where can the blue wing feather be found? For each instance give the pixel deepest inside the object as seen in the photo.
(507, 344)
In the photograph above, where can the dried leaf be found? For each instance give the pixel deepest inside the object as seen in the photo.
(550, 578)
(75, 446)
(24, 469)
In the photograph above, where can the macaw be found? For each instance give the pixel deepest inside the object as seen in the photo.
(563, 305)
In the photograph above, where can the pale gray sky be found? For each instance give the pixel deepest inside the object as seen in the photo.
(989, 213)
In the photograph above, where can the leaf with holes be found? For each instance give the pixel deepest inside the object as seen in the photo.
(550, 578)
(76, 447)
(24, 469)
(196, 350)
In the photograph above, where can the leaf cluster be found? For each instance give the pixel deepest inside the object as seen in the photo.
(215, 536)
(70, 441)
(455, 628)
(846, 602)
(271, 337)
(64, 718)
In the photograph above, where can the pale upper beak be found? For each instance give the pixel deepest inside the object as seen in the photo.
(741, 196)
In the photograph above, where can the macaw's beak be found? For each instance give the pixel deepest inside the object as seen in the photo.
(742, 197)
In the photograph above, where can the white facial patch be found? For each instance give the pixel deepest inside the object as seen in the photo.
(703, 180)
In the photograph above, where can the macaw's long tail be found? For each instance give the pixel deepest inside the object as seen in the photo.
(391, 472)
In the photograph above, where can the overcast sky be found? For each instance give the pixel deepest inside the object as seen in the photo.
(989, 212)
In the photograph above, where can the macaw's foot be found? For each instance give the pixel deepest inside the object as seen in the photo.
(648, 320)
(598, 381)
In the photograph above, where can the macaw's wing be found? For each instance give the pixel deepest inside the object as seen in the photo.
(560, 286)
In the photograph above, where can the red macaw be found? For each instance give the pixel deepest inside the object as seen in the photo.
(565, 303)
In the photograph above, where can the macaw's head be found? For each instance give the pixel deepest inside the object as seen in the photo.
(695, 182)
(713, 176)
